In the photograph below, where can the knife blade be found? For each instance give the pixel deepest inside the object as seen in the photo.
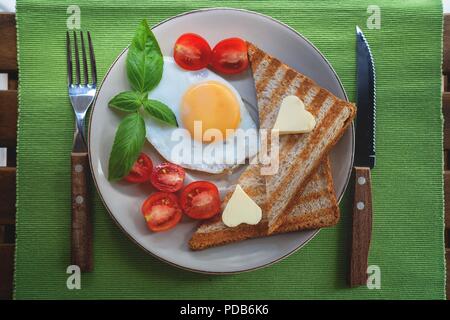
(366, 103)
(364, 161)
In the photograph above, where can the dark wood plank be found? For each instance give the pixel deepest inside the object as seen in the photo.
(9, 233)
(446, 113)
(447, 197)
(446, 60)
(11, 156)
(8, 119)
(12, 80)
(447, 239)
(2, 234)
(6, 270)
(12, 84)
(447, 257)
(446, 160)
(7, 195)
(8, 51)
(444, 83)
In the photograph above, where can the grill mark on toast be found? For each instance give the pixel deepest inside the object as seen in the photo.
(285, 85)
(269, 99)
(268, 72)
(269, 75)
(252, 192)
(315, 105)
(256, 62)
(262, 66)
(304, 88)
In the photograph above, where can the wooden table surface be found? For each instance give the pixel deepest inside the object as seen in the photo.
(8, 133)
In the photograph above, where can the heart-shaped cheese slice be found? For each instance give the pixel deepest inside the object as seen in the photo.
(293, 117)
(241, 209)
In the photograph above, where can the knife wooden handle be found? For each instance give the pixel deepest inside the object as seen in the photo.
(81, 218)
(361, 226)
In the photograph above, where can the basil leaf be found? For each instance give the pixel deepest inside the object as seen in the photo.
(144, 60)
(127, 101)
(160, 111)
(128, 142)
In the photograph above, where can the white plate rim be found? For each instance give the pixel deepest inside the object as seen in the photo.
(339, 198)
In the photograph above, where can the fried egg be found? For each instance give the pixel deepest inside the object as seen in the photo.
(212, 117)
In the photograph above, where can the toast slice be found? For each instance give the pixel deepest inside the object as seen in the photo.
(300, 154)
(317, 208)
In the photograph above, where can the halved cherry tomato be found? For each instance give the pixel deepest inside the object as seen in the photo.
(192, 52)
(161, 211)
(141, 170)
(168, 177)
(229, 56)
(200, 200)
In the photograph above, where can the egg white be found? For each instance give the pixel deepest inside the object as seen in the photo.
(170, 90)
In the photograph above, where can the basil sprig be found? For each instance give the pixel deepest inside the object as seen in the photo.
(144, 70)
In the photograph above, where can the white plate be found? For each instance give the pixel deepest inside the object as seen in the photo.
(123, 201)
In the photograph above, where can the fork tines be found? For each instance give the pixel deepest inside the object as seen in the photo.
(77, 59)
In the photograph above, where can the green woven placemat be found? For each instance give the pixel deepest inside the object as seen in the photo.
(407, 239)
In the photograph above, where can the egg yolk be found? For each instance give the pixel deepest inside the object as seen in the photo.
(212, 103)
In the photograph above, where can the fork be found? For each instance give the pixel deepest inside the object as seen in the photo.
(81, 95)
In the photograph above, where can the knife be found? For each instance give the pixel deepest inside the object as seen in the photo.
(364, 161)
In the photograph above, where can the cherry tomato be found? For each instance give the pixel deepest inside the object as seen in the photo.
(229, 56)
(168, 177)
(192, 52)
(141, 170)
(200, 200)
(161, 211)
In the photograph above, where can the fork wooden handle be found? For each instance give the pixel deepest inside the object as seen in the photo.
(81, 218)
(361, 227)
